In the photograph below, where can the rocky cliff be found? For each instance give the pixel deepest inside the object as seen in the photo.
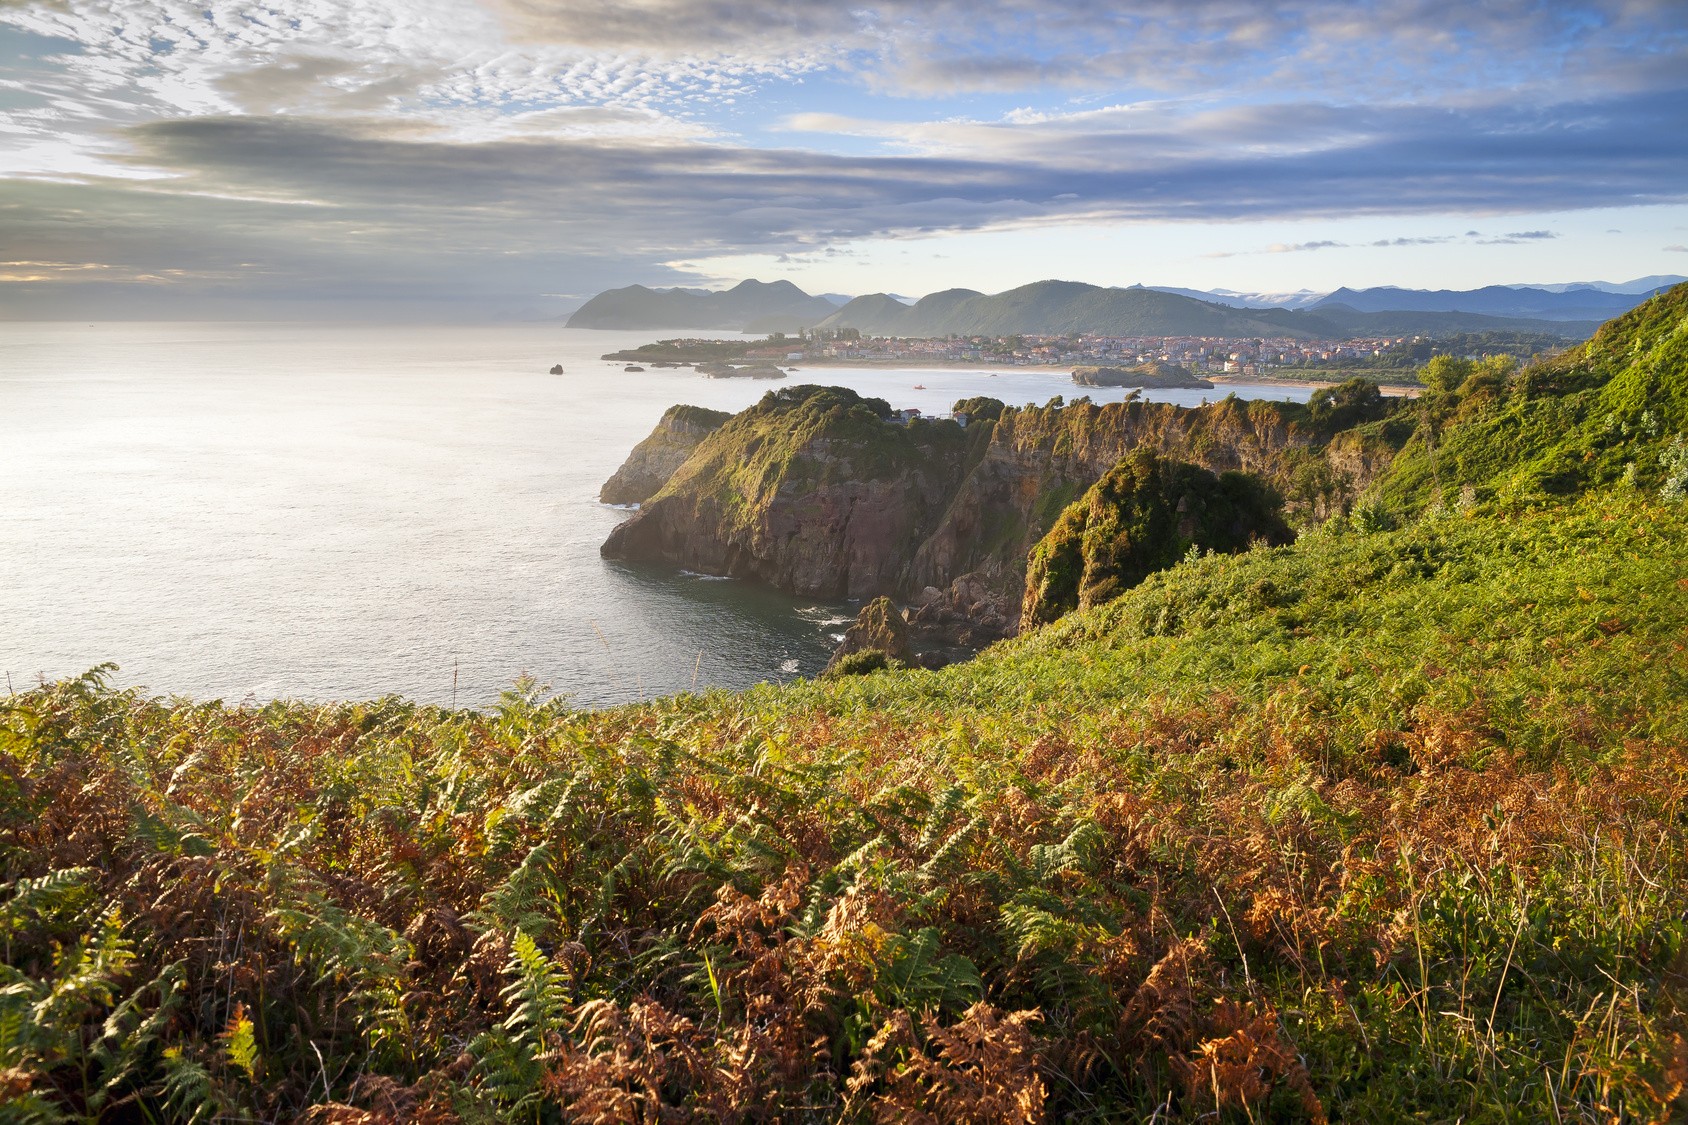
(813, 490)
(880, 628)
(816, 491)
(657, 458)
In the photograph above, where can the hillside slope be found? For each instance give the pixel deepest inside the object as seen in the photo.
(1384, 825)
(1381, 826)
(811, 494)
(1612, 409)
(1491, 300)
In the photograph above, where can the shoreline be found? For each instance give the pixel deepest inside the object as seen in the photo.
(1388, 390)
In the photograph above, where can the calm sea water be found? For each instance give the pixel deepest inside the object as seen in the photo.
(283, 511)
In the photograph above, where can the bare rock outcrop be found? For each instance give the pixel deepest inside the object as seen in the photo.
(656, 458)
(880, 628)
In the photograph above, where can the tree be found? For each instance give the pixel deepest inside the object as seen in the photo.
(1445, 373)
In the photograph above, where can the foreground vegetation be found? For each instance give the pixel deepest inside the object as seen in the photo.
(1388, 824)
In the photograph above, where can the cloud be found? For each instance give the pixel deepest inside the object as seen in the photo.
(1677, 249)
(1517, 238)
(1297, 247)
(1404, 48)
(409, 150)
(414, 215)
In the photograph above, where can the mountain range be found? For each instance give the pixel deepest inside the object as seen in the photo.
(1578, 300)
(1049, 307)
(1063, 307)
(749, 306)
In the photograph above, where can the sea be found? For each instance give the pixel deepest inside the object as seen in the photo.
(251, 512)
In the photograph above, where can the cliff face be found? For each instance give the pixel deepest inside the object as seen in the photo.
(657, 458)
(815, 492)
(1041, 459)
(812, 490)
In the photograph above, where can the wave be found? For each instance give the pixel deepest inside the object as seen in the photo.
(823, 617)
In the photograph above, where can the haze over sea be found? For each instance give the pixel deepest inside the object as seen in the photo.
(341, 512)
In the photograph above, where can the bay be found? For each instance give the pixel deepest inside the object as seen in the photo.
(258, 511)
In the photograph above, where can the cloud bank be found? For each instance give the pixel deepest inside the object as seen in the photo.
(438, 151)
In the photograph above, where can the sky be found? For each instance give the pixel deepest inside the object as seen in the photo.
(404, 159)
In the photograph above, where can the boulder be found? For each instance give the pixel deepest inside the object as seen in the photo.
(879, 628)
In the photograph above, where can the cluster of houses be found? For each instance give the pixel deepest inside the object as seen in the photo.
(1197, 353)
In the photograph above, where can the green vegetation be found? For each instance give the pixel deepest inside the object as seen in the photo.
(1385, 825)
(1143, 516)
(758, 451)
(1604, 412)
(1398, 364)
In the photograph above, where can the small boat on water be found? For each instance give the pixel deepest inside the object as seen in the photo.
(920, 386)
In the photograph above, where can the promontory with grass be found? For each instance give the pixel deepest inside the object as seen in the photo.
(1337, 772)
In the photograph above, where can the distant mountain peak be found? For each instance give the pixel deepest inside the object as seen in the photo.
(750, 306)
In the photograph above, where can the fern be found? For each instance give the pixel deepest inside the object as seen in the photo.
(123, 1049)
(509, 1056)
(361, 959)
(526, 901)
(86, 979)
(1073, 853)
(63, 893)
(240, 1045)
(190, 1093)
(919, 978)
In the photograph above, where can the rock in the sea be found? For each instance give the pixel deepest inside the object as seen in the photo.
(746, 371)
(1153, 375)
(972, 612)
(879, 628)
(557, 369)
(656, 458)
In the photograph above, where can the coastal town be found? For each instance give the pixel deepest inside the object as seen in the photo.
(1198, 354)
